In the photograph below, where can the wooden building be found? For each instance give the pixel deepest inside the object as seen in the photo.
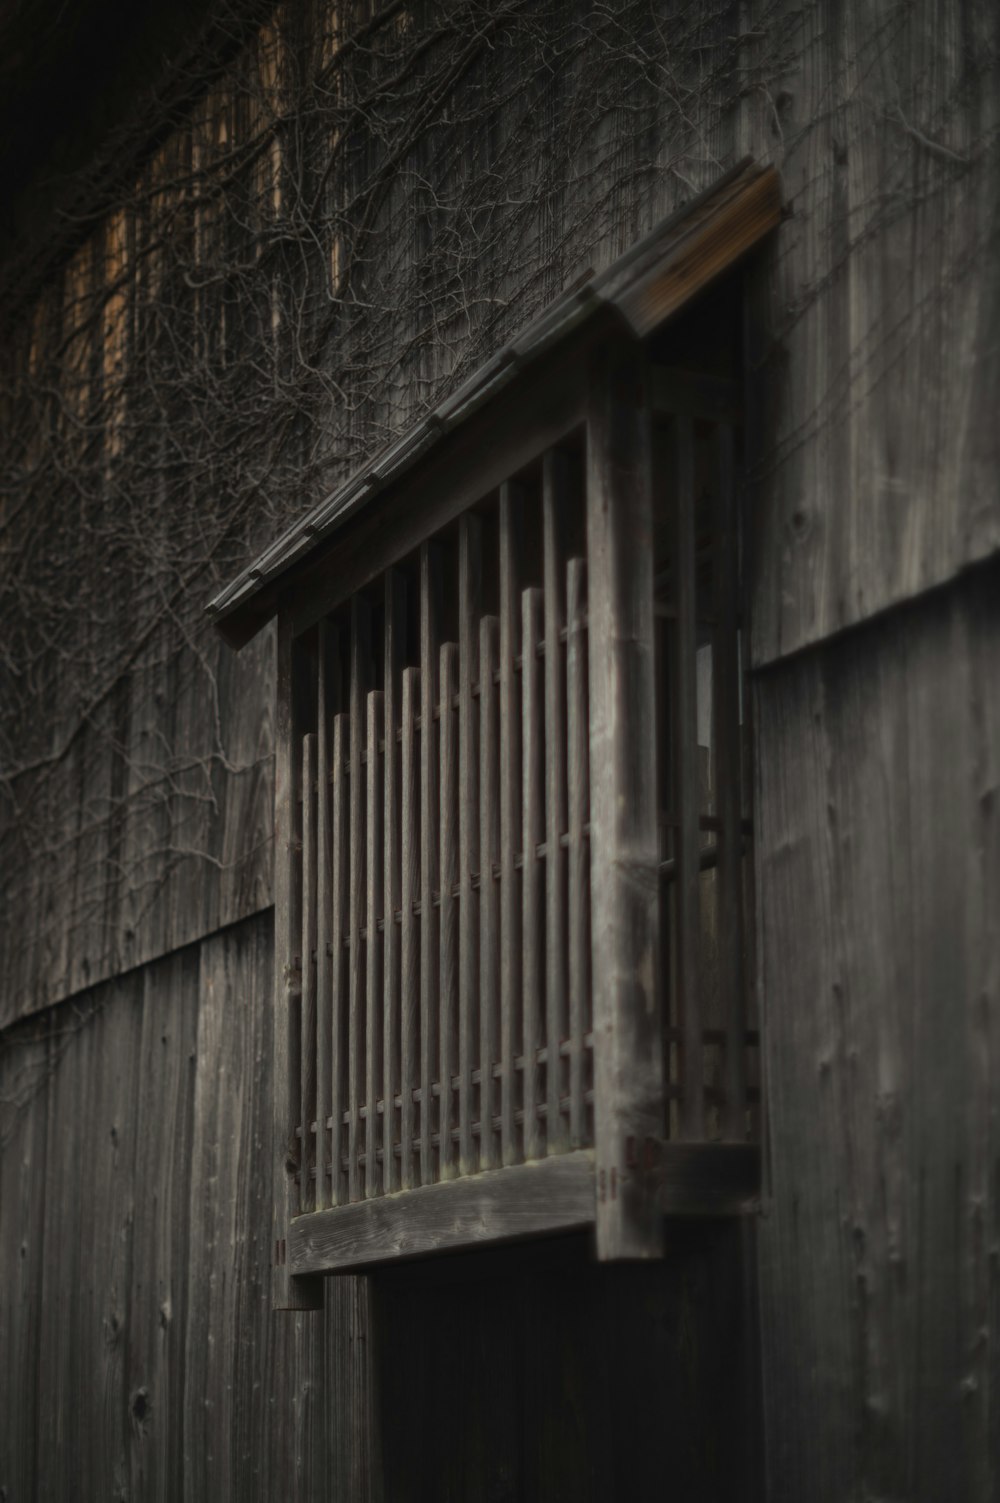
(500, 751)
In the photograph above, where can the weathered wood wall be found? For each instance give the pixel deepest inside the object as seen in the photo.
(884, 120)
(879, 857)
(159, 824)
(139, 1355)
(139, 1199)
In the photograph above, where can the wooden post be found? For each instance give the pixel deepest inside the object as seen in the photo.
(328, 696)
(409, 925)
(448, 921)
(532, 875)
(578, 761)
(287, 1293)
(628, 1066)
(555, 500)
(360, 684)
(373, 947)
(469, 591)
(340, 1047)
(395, 628)
(307, 1023)
(511, 503)
(430, 608)
(489, 892)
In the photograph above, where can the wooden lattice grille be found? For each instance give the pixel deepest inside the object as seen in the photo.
(423, 1034)
(491, 963)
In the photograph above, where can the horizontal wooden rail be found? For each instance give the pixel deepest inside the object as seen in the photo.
(536, 1199)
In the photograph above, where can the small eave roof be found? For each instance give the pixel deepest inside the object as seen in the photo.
(646, 285)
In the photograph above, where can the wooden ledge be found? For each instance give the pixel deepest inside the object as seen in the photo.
(527, 1200)
(537, 1199)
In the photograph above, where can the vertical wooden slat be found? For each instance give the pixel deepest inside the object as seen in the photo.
(489, 894)
(510, 520)
(409, 935)
(555, 481)
(395, 629)
(360, 677)
(578, 854)
(340, 918)
(327, 703)
(469, 590)
(430, 608)
(307, 1031)
(687, 792)
(373, 947)
(448, 930)
(532, 876)
(628, 1067)
(287, 1293)
(728, 754)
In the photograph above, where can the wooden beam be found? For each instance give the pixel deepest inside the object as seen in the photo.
(544, 1197)
(287, 1292)
(628, 1060)
(526, 1200)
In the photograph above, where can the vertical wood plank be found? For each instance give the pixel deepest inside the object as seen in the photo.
(409, 924)
(578, 854)
(532, 876)
(356, 1021)
(307, 1030)
(340, 921)
(430, 615)
(510, 528)
(489, 892)
(469, 591)
(555, 483)
(448, 930)
(728, 762)
(287, 1293)
(373, 947)
(395, 629)
(687, 792)
(629, 1096)
(326, 955)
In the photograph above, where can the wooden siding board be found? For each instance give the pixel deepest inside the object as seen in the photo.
(877, 837)
(161, 1273)
(188, 847)
(24, 1076)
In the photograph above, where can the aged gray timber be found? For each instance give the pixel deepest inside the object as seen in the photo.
(528, 1200)
(190, 852)
(628, 1084)
(139, 1355)
(287, 1153)
(878, 838)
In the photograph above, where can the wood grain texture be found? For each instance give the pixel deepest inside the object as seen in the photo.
(877, 837)
(510, 528)
(286, 1063)
(184, 756)
(628, 1071)
(527, 1200)
(470, 580)
(141, 1356)
(578, 852)
(532, 871)
(874, 381)
(555, 507)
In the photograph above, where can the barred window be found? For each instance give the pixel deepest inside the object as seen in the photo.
(512, 795)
